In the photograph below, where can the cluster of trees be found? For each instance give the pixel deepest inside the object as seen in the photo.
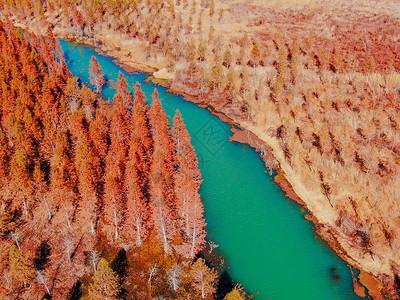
(98, 200)
(330, 103)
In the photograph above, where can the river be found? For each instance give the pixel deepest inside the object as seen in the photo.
(268, 245)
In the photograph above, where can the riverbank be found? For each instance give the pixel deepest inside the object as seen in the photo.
(371, 283)
(293, 185)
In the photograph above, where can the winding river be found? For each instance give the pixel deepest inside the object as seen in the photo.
(267, 243)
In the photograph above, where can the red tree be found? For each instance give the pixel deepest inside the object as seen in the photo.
(63, 178)
(140, 123)
(95, 75)
(99, 129)
(162, 200)
(187, 186)
(20, 183)
(137, 169)
(115, 200)
(88, 168)
(4, 156)
(122, 90)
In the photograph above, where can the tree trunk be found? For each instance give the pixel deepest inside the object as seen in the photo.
(193, 241)
(116, 223)
(138, 238)
(166, 246)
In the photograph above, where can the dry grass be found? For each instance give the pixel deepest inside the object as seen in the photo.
(287, 4)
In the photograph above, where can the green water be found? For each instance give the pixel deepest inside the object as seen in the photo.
(266, 242)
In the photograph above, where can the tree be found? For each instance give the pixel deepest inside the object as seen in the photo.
(41, 278)
(99, 130)
(187, 186)
(138, 168)
(122, 90)
(234, 295)
(190, 50)
(227, 60)
(255, 54)
(212, 7)
(137, 207)
(153, 271)
(162, 199)
(95, 75)
(115, 198)
(174, 274)
(88, 168)
(88, 100)
(21, 268)
(20, 181)
(105, 284)
(216, 76)
(203, 278)
(141, 127)
(62, 176)
(201, 51)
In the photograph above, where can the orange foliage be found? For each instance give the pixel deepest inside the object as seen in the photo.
(79, 175)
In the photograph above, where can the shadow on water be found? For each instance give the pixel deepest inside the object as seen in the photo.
(334, 274)
(225, 285)
(214, 260)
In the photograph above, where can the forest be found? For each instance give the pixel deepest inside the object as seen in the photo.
(99, 200)
(317, 81)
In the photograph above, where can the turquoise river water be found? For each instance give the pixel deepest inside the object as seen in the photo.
(270, 248)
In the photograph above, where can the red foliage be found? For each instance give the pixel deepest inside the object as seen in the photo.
(95, 75)
(137, 170)
(115, 200)
(122, 90)
(89, 171)
(162, 200)
(72, 163)
(187, 186)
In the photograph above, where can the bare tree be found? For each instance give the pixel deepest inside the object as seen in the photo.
(212, 246)
(174, 275)
(68, 244)
(94, 257)
(41, 278)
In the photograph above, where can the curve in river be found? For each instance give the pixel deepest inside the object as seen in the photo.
(268, 245)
